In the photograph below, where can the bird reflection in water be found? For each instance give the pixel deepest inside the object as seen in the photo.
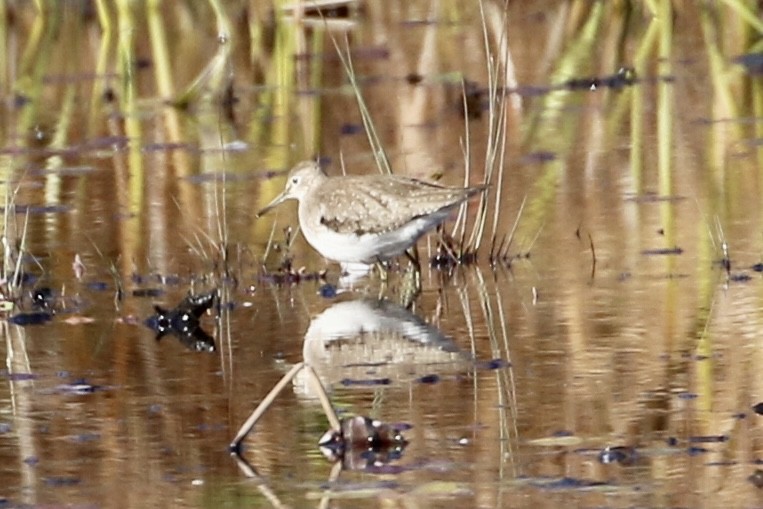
(360, 342)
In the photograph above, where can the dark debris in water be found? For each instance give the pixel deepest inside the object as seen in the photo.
(79, 387)
(565, 483)
(350, 129)
(667, 251)
(413, 78)
(446, 260)
(43, 297)
(184, 322)
(707, 439)
(752, 62)
(83, 438)
(97, 286)
(473, 100)
(493, 364)
(32, 318)
(347, 382)
(286, 273)
(756, 478)
(167, 147)
(623, 455)
(429, 379)
(325, 10)
(147, 292)
(739, 277)
(450, 253)
(625, 76)
(363, 444)
(20, 377)
(62, 481)
(290, 277)
(538, 157)
(33, 210)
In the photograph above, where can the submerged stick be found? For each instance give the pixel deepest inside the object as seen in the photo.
(235, 445)
(316, 385)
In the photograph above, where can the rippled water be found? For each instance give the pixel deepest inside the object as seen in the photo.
(612, 363)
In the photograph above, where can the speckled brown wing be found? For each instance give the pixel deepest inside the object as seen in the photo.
(377, 204)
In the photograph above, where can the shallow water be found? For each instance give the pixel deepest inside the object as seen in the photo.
(616, 324)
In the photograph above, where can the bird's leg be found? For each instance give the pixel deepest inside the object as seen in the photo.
(411, 290)
(413, 255)
(383, 276)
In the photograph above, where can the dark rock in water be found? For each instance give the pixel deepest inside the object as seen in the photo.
(42, 298)
(429, 379)
(363, 443)
(618, 454)
(34, 318)
(757, 478)
(184, 323)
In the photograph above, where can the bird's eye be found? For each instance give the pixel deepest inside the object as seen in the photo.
(295, 180)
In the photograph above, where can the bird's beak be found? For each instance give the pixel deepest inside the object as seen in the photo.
(277, 200)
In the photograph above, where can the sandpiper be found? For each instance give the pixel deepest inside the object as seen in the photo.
(366, 219)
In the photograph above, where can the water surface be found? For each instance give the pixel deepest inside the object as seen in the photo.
(625, 314)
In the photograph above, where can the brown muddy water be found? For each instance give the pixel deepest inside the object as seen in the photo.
(607, 360)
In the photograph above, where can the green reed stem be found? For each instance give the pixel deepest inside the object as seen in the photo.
(744, 11)
(380, 155)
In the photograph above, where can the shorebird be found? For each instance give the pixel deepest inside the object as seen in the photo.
(366, 219)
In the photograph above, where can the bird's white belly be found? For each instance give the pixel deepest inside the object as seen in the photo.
(368, 247)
